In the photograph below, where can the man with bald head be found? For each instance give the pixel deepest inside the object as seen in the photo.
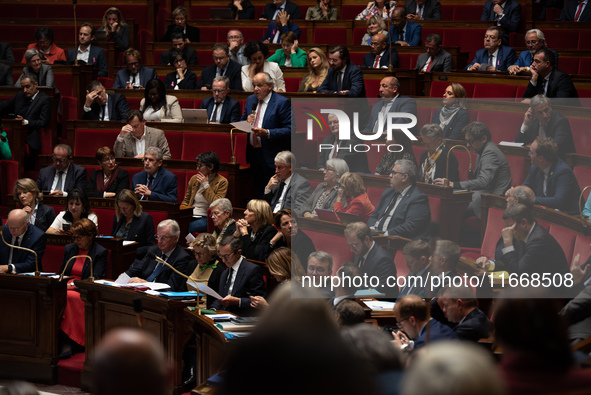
(402, 31)
(380, 53)
(19, 232)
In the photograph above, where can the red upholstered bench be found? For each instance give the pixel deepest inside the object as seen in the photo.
(196, 143)
(468, 39)
(400, 263)
(53, 258)
(583, 175)
(580, 130)
(202, 12)
(336, 246)
(466, 12)
(64, 83)
(351, 11)
(357, 58)
(249, 33)
(494, 225)
(569, 65)
(463, 162)
(8, 177)
(424, 116)
(375, 194)
(358, 33)
(497, 92)
(105, 220)
(372, 88)
(158, 216)
(518, 175)
(503, 126)
(89, 140)
(566, 238)
(564, 39)
(331, 35)
(582, 247)
(584, 39)
(292, 84)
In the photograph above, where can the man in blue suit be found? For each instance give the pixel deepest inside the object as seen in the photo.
(19, 231)
(534, 40)
(227, 110)
(89, 53)
(155, 183)
(343, 76)
(63, 176)
(551, 179)
(403, 32)
(99, 106)
(495, 55)
(460, 309)
(271, 9)
(403, 209)
(269, 113)
(222, 66)
(381, 53)
(134, 76)
(503, 13)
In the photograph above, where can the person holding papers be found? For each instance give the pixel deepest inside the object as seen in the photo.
(207, 268)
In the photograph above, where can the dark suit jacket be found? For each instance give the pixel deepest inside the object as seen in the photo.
(76, 178)
(120, 183)
(141, 229)
(302, 245)
(370, 58)
(232, 72)
(24, 261)
(442, 62)
(164, 186)
(248, 282)
(38, 114)
(412, 36)
(178, 258)
(257, 249)
(278, 121)
(412, 216)
(558, 128)
(230, 109)
(123, 75)
(475, 326)
(401, 104)
(381, 265)
(247, 12)
(431, 9)
(441, 165)
(511, 19)
(357, 161)
(352, 81)
(562, 189)
(97, 58)
(272, 31)
(6, 75)
(291, 8)
(116, 104)
(192, 34)
(560, 86)
(99, 261)
(437, 331)
(189, 82)
(577, 313)
(6, 55)
(570, 9)
(299, 190)
(453, 130)
(44, 216)
(414, 286)
(190, 55)
(505, 58)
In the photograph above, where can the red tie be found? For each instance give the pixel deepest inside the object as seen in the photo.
(254, 139)
(578, 14)
(376, 64)
(430, 64)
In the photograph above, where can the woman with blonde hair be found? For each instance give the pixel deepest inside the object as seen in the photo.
(27, 194)
(375, 25)
(453, 116)
(116, 29)
(354, 194)
(256, 229)
(317, 70)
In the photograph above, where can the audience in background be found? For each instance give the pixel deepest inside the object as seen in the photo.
(534, 40)
(277, 6)
(87, 53)
(402, 31)
(496, 54)
(44, 44)
(27, 194)
(350, 274)
(236, 45)
(503, 13)
(101, 106)
(35, 66)
(179, 44)
(84, 232)
(381, 8)
(278, 27)
(134, 75)
(207, 268)
(289, 235)
(453, 116)
(222, 66)
(130, 222)
(343, 76)
(352, 197)
(220, 107)
(157, 106)
(256, 230)
(19, 231)
(135, 138)
(179, 18)
(436, 58)
(110, 179)
(436, 161)
(460, 307)
(6, 77)
(419, 10)
(381, 55)
(386, 164)
(286, 189)
(78, 206)
(115, 28)
(317, 71)
(6, 55)
(155, 183)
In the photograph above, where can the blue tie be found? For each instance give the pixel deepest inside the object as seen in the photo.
(157, 270)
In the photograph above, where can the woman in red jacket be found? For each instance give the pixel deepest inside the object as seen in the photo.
(354, 194)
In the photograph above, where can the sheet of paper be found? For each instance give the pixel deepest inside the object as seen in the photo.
(243, 126)
(217, 317)
(205, 289)
(128, 242)
(511, 144)
(378, 305)
(152, 286)
(107, 282)
(123, 279)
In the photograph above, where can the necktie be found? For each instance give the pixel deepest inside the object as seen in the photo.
(157, 270)
(420, 11)
(214, 114)
(228, 282)
(579, 9)
(491, 60)
(376, 64)
(12, 249)
(278, 195)
(361, 262)
(543, 87)
(103, 108)
(340, 81)
(545, 185)
(430, 64)
(60, 176)
(220, 72)
(254, 139)
(150, 180)
(386, 212)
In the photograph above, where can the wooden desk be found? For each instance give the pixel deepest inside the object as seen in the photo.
(32, 309)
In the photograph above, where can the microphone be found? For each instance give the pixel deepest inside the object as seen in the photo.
(37, 272)
(151, 255)
(90, 278)
(138, 307)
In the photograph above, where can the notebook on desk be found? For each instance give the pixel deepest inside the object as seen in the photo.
(327, 215)
(195, 115)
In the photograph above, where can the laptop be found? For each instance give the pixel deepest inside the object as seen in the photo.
(221, 13)
(346, 218)
(327, 215)
(195, 115)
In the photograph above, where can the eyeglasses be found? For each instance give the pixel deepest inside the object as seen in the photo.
(107, 160)
(198, 253)
(218, 90)
(15, 229)
(352, 245)
(216, 213)
(318, 270)
(399, 323)
(234, 37)
(163, 238)
(532, 42)
(57, 160)
(133, 64)
(333, 60)
(329, 169)
(226, 256)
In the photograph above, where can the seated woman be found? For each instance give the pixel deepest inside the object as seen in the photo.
(181, 78)
(290, 236)
(130, 222)
(27, 194)
(325, 194)
(587, 209)
(387, 162)
(433, 163)
(116, 29)
(381, 8)
(110, 179)
(204, 187)
(375, 25)
(44, 72)
(78, 208)
(279, 26)
(242, 9)
(158, 106)
(317, 70)
(289, 55)
(256, 52)
(208, 267)
(180, 16)
(453, 116)
(321, 12)
(353, 193)
(221, 216)
(256, 229)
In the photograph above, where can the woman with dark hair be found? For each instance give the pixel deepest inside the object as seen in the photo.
(453, 116)
(242, 9)
(44, 72)
(110, 179)
(179, 17)
(387, 162)
(204, 187)
(116, 29)
(256, 229)
(289, 235)
(208, 267)
(27, 194)
(317, 70)
(181, 78)
(157, 106)
(130, 222)
(280, 26)
(289, 55)
(78, 207)
(322, 11)
(354, 194)
(256, 52)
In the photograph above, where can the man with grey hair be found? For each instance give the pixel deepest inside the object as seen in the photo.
(334, 148)
(20, 232)
(541, 120)
(147, 269)
(436, 58)
(286, 189)
(534, 40)
(135, 137)
(236, 46)
(391, 101)
(221, 108)
(403, 209)
(155, 183)
(63, 176)
(222, 66)
(269, 113)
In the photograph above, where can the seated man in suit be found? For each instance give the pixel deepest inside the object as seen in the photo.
(403, 209)
(417, 255)
(534, 40)
(20, 232)
(343, 76)
(136, 137)
(236, 47)
(179, 44)
(241, 280)
(503, 13)
(100, 106)
(459, 307)
(403, 32)
(227, 110)
(576, 11)
(436, 58)
(433, 163)
(64, 175)
(372, 259)
(6, 75)
(147, 269)
(88, 53)
(541, 120)
(443, 263)
(222, 66)
(421, 10)
(547, 80)
(6, 55)
(155, 183)
(134, 75)
(380, 53)
(495, 56)
(551, 179)
(334, 148)
(287, 190)
(273, 8)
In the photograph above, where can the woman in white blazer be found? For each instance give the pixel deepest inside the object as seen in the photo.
(158, 106)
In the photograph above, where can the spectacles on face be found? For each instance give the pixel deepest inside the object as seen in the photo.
(469, 141)
(532, 42)
(234, 37)
(198, 253)
(107, 160)
(133, 64)
(163, 238)
(226, 256)
(331, 60)
(352, 245)
(318, 270)
(15, 229)
(217, 90)
(57, 160)
(399, 323)
(329, 169)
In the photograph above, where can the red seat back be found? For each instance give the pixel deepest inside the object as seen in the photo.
(494, 225)
(503, 126)
(105, 220)
(331, 35)
(566, 238)
(175, 143)
(400, 263)
(52, 259)
(581, 136)
(582, 247)
(336, 246)
(435, 206)
(89, 140)
(196, 143)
